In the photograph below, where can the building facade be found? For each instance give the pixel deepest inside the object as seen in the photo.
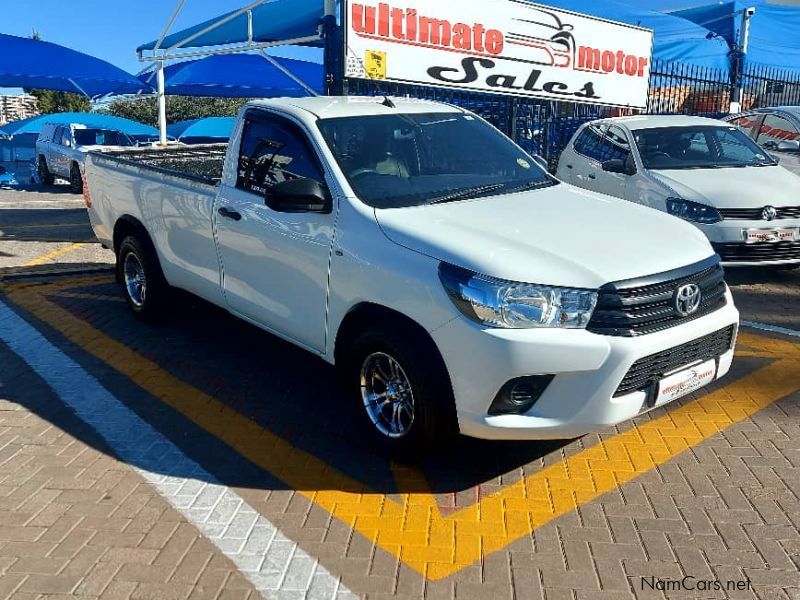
(18, 106)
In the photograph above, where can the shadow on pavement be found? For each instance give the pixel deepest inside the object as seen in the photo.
(45, 225)
(283, 389)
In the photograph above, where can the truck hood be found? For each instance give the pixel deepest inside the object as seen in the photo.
(748, 187)
(559, 236)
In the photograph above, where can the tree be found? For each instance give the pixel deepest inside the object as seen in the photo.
(52, 101)
(179, 108)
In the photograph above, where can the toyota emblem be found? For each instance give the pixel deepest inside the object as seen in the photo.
(687, 299)
(769, 213)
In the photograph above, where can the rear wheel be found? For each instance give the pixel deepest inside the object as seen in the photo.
(75, 179)
(45, 176)
(403, 388)
(143, 283)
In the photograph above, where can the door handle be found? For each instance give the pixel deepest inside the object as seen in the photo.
(592, 176)
(230, 214)
(569, 166)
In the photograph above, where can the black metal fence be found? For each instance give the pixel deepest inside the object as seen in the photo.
(545, 127)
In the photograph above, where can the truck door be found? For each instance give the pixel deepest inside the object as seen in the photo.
(274, 265)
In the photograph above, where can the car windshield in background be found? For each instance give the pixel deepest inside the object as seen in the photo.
(402, 160)
(101, 137)
(700, 147)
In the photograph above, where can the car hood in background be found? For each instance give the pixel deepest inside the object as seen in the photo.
(559, 236)
(747, 187)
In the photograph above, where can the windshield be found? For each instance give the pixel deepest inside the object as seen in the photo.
(395, 161)
(698, 147)
(101, 137)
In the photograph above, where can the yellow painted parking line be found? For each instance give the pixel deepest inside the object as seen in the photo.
(412, 528)
(53, 255)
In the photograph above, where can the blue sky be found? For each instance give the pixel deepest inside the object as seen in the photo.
(112, 29)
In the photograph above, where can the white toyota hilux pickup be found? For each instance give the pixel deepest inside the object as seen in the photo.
(456, 284)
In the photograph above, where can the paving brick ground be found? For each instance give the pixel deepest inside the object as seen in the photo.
(259, 416)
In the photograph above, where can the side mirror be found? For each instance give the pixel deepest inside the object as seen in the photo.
(300, 195)
(616, 165)
(541, 162)
(789, 146)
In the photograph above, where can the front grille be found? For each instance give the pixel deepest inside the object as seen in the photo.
(641, 306)
(757, 214)
(650, 370)
(758, 252)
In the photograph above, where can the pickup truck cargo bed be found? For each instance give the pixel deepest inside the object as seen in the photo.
(202, 163)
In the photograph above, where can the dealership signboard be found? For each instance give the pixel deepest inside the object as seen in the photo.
(500, 46)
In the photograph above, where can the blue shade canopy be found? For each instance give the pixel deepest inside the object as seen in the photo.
(28, 63)
(34, 125)
(675, 39)
(241, 76)
(774, 39)
(206, 129)
(274, 21)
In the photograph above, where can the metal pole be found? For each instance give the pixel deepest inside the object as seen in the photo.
(739, 60)
(162, 105)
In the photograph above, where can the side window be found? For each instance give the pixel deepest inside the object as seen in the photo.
(747, 124)
(66, 138)
(55, 137)
(274, 150)
(775, 130)
(616, 145)
(590, 141)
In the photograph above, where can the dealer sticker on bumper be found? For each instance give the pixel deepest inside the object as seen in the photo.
(771, 236)
(685, 382)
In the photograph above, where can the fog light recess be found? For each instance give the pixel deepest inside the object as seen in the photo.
(519, 395)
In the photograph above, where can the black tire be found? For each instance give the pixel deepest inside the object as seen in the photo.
(45, 176)
(434, 417)
(75, 179)
(150, 303)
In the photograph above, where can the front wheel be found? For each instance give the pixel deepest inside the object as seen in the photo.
(143, 283)
(45, 176)
(404, 391)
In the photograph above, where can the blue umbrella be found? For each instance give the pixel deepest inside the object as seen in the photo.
(241, 76)
(28, 63)
(275, 20)
(34, 125)
(202, 130)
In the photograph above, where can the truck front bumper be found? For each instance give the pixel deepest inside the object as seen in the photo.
(588, 369)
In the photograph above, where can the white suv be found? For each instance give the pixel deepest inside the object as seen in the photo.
(704, 171)
(61, 150)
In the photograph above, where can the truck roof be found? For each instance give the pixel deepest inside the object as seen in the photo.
(329, 107)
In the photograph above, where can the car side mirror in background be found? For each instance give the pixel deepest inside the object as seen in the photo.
(616, 165)
(788, 146)
(540, 160)
(300, 195)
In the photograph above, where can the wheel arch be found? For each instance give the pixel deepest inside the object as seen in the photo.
(368, 314)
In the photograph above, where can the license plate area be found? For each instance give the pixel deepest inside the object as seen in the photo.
(684, 382)
(771, 235)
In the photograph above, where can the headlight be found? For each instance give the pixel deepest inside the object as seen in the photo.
(508, 305)
(692, 211)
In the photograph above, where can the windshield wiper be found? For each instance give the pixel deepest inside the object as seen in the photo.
(533, 185)
(468, 193)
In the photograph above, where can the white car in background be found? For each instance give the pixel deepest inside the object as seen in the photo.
(61, 150)
(777, 130)
(702, 170)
